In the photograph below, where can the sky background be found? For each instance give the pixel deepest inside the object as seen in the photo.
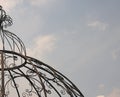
(80, 38)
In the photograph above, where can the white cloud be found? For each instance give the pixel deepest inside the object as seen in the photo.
(114, 93)
(42, 45)
(9, 4)
(97, 25)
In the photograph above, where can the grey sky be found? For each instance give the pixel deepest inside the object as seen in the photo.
(80, 38)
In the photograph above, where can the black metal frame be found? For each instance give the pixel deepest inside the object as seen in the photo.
(24, 76)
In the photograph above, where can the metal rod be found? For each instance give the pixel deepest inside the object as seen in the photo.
(2, 76)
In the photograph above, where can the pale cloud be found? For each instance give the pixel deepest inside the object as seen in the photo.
(42, 45)
(9, 4)
(40, 2)
(101, 96)
(114, 93)
(98, 25)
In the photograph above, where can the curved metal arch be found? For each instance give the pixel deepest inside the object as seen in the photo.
(11, 42)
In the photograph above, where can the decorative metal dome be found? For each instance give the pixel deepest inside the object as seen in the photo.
(24, 76)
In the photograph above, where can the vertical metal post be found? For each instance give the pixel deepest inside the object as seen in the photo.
(2, 56)
(2, 75)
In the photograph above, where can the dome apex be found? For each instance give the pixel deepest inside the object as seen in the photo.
(8, 40)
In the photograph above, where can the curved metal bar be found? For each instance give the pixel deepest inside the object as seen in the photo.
(30, 82)
(39, 75)
(20, 65)
(46, 81)
(8, 42)
(2, 39)
(14, 37)
(14, 83)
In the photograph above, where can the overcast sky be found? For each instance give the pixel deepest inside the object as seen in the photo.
(80, 38)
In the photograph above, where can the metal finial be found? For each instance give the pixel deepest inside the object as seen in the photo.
(5, 20)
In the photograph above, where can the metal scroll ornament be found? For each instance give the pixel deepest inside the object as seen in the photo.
(24, 76)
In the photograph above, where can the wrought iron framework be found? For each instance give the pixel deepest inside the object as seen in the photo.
(24, 76)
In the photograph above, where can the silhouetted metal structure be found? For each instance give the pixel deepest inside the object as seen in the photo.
(24, 76)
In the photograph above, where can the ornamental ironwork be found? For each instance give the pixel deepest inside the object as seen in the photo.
(24, 76)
